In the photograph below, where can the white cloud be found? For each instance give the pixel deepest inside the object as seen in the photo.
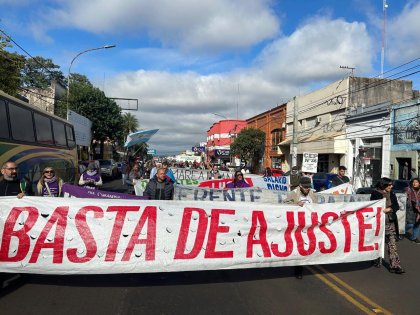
(181, 104)
(316, 50)
(206, 25)
(403, 36)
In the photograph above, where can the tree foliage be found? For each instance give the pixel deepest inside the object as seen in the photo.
(249, 144)
(131, 123)
(11, 65)
(38, 72)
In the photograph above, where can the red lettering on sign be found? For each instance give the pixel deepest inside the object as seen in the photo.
(215, 228)
(333, 242)
(347, 231)
(362, 229)
(287, 238)
(24, 241)
(116, 229)
(149, 215)
(258, 219)
(309, 231)
(184, 231)
(58, 218)
(85, 234)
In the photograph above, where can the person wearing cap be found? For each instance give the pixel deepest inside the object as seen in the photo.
(341, 178)
(301, 196)
(294, 178)
(90, 178)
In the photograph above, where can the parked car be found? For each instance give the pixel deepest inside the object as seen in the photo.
(322, 181)
(109, 168)
(399, 186)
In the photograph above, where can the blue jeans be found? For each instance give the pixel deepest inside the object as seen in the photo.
(416, 230)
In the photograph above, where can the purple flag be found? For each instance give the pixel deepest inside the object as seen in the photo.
(83, 192)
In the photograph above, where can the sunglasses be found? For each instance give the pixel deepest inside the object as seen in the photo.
(239, 175)
(48, 171)
(11, 168)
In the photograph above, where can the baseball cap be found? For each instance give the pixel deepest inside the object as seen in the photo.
(305, 182)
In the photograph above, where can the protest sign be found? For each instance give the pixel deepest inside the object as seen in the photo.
(198, 174)
(83, 192)
(310, 162)
(340, 189)
(97, 236)
(253, 194)
(272, 183)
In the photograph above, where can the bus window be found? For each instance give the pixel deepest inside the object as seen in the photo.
(59, 133)
(4, 126)
(21, 122)
(70, 137)
(43, 129)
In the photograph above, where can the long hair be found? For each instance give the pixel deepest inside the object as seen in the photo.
(235, 179)
(383, 183)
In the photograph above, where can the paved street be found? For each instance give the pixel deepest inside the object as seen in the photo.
(353, 288)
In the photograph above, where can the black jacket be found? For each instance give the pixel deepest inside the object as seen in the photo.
(151, 190)
(376, 195)
(15, 187)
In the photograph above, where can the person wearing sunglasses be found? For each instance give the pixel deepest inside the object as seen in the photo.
(238, 181)
(10, 184)
(49, 185)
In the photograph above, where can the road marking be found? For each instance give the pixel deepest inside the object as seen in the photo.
(373, 307)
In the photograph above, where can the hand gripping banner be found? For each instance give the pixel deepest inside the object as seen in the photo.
(97, 236)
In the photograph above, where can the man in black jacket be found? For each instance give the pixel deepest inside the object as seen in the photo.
(10, 185)
(159, 188)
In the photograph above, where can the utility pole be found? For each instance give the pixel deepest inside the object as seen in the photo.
(384, 7)
(295, 132)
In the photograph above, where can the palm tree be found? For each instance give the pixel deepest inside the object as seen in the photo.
(131, 124)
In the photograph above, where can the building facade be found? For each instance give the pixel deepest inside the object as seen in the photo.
(320, 119)
(219, 138)
(273, 123)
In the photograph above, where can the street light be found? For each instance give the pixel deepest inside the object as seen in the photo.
(71, 63)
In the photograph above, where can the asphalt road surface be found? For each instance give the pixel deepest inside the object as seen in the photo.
(353, 288)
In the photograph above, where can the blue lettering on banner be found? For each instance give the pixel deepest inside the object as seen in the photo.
(277, 187)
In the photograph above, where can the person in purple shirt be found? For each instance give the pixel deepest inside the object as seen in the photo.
(90, 178)
(49, 185)
(238, 181)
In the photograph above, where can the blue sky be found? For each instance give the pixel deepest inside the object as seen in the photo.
(185, 59)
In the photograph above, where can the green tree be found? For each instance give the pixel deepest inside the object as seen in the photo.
(131, 123)
(91, 102)
(11, 65)
(38, 72)
(249, 145)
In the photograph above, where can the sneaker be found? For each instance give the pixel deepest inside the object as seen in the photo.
(397, 270)
(415, 241)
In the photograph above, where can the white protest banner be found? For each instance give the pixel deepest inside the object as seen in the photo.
(271, 183)
(253, 194)
(140, 185)
(97, 236)
(340, 189)
(310, 162)
(198, 174)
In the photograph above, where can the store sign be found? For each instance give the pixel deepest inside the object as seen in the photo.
(221, 153)
(199, 149)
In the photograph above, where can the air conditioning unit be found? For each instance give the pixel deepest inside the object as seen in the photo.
(318, 120)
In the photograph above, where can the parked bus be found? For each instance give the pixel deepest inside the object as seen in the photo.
(34, 139)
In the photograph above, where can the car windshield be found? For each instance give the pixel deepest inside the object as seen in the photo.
(105, 163)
